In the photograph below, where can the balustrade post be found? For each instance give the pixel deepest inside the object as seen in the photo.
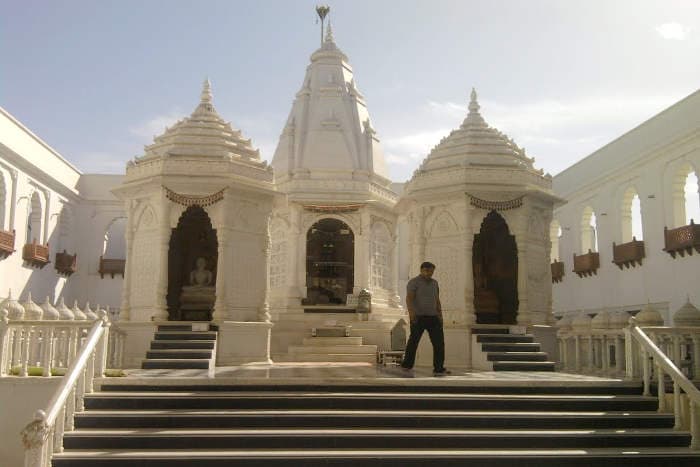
(661, 389)
(34, 437)
(605, 354)
(4, 341)
(696, 357)
(676, 350)
(591, 363)
(694, 425)
(562, 356)
(677, 412)
(101, 350)
(646, 373)
(24, 359)
(47, 350)
(577, 353)
(80, 391)
(619, 356)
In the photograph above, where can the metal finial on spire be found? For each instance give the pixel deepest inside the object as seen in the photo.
(206, 92)
(322, 11)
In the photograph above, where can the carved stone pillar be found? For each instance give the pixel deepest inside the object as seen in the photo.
(296, 248)
(362, 250)
(469, 311)
(395, 298)
(161, 311)
(264, 312)
(124, 312)
(222, 238)
(524, 317)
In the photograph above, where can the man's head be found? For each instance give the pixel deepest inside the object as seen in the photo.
(427, 269)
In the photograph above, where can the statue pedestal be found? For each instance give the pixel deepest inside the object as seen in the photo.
(243, 342)
(197, 303)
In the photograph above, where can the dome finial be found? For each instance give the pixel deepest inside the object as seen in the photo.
(206, 92)
(474, 118)
(329, 32)
(473, 102)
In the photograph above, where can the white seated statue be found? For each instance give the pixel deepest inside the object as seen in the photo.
(200, 295)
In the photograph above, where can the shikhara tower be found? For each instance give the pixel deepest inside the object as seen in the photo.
(335, 233)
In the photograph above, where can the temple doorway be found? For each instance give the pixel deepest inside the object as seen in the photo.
(330, 256)
(192, 262)
(495, 266)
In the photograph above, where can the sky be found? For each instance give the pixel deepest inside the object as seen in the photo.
(97, 80)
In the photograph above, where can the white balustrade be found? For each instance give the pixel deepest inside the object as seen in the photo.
(48, 344)
(44, 435)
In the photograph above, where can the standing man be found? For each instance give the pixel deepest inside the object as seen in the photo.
(425, 313)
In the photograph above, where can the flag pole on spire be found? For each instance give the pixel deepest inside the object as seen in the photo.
(322, 11)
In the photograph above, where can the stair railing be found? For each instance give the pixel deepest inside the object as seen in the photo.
(44, 435)
(664, 366)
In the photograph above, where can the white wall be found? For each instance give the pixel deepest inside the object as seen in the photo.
(646, 158)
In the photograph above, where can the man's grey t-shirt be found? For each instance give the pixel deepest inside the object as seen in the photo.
(426, 295)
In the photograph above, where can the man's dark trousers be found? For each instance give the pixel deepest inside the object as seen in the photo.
(433, 325)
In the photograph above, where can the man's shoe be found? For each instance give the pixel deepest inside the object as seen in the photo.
(442, 372)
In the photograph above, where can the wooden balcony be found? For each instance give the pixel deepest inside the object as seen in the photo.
(7, 243)
(36, 254)
(628, 254)
(66, 264)
(111, 266)
(586, 264)
(557, 271)
(682, 240)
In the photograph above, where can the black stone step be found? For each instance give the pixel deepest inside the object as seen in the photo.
(490, 330)
(371, 439)
(512, 347)
(219, 419)
(524, 366)
(178, 353)
(610, 457)
(159, 363)
(505, 338)
(185, 335)
(517, 356)
(387, 401)
(182, 344)
(544, 387)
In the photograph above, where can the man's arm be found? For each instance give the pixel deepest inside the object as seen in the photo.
(410, 298)
(438, 304)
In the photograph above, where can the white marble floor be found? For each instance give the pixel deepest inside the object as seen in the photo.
(321, 372)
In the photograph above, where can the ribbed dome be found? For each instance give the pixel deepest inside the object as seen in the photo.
(64, 312)
(32, 311)
(476, 143)
(14, 309)
(78, 313)
(649, 316)
(203, 134)
(687, 315)
(91, 315)
(50, 312)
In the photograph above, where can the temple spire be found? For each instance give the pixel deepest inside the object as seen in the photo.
(206, 92)
(474, 117)
(329, 32)
(205, 102)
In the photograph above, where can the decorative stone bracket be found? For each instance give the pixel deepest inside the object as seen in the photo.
(628, 254)
(682, 240)
(7, 243)
(36, 255)
(65, 263)
(557, 271)
(111, 266)
(587, 264)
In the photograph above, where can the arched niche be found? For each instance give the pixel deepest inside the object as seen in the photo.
(191, 297)
(495, 268)
(330, 256)
(34, 219)
(589, 230)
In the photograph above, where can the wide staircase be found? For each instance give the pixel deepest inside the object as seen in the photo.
(157, 423)
(332, 344)
(495, 348)
(185, 345)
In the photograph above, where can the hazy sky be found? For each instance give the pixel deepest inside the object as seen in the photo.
(98, 79)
